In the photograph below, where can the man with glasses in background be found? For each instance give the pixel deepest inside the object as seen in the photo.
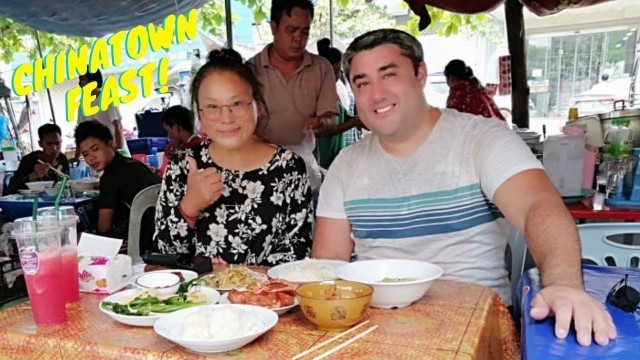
(299, 87)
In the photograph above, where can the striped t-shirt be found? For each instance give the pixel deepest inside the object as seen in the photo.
(434, 205)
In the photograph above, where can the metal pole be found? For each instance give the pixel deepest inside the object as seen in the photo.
(331, 21)
(53, 115)
(227, 15)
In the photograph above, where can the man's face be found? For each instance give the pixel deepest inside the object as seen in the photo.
(172, 133)
(388, 93)
(51, 144)
(290, 37)
(97, 153)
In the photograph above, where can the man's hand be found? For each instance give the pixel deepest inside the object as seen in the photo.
(40, 171)
(589, 315)
(316, 124)
(204, 187)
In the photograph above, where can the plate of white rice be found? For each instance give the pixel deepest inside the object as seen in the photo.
(216, 328)
(307, 270)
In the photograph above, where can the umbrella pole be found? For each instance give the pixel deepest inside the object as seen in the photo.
(53, 115)
(227, 15)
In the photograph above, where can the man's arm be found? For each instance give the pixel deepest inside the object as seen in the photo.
(105, 220)
(340, 128)
(118, 134)
(531, 203)
(332, 239)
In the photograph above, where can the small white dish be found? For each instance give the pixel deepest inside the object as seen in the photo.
(170, 328)
(293, 272)
(126, 295)
(187, 275)
(163, 283)
(224, 299)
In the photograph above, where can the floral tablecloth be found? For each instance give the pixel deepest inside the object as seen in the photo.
(453, 321)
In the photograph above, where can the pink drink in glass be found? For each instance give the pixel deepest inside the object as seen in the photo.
(45, 297)
(70, 279)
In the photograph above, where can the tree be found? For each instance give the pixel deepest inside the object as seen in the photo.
(17, 38)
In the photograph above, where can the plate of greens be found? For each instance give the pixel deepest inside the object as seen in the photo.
(138, 307)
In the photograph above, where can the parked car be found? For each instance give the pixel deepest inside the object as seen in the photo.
(600, 98)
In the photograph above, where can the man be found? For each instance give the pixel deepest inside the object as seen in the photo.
(299, 87)
(123, 178)
(323, 45)
(37, 165)
(179, 123)
(110, 118)
(423, 184)
(345, 132)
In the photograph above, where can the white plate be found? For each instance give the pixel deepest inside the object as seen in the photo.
(188, 275)
(259, 277)
(29, 192)
(276, 271)
(213, 295)
(170, 326)
(224, 299)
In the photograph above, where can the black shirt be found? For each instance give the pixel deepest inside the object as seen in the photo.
(121, 181)
(28, 163)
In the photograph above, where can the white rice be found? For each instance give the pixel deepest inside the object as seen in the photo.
(219, 324)
(308, 270)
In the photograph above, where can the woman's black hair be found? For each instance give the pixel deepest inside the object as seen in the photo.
(457, 68)
(230, 60)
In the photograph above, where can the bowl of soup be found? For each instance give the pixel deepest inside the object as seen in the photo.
(396, 283)
(334, 305)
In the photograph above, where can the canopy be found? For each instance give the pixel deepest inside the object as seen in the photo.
(92, 18)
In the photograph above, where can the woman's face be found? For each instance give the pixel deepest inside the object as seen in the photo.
(227, 109)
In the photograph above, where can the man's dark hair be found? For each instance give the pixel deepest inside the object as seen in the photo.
(323, 44)
(92, 129)
(47, 129)
(333, 55)
(91, 77)
(409, 47)
(179, 115)
(279, 7)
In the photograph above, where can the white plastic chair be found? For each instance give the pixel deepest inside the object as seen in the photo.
(604, 252)
(147, 198)
(518, 247)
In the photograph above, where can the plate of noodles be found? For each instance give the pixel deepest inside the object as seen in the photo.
(234, 277)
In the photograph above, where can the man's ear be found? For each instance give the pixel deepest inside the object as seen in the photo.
(112, 145)
(274, 27)
(40, 144)
(422, 74)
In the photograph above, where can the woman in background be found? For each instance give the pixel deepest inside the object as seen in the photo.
(466, 94)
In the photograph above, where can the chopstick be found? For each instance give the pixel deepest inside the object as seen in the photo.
(54, 169)
(314, 348)
(344, 344)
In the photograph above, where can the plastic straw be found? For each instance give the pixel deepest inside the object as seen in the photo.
(34, 216)
(57, 203)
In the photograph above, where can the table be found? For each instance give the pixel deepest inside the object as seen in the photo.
(584, 210)
(453, 321)
(539, 341)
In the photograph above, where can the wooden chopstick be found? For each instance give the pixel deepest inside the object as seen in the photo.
(314, 348)
(344, 344)
(54, 169)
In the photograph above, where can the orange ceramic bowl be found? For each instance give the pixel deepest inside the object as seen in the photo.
(334, 305)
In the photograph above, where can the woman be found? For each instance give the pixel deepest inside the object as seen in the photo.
(234, 197)
(466, 94)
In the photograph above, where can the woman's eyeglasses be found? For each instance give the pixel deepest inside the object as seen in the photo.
(624, 297)
(214, 112)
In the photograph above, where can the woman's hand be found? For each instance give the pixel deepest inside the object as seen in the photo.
(204, 187)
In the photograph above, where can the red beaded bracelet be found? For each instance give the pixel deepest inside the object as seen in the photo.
(185, 215)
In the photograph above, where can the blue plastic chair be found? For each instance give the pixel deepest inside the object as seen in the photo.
(604, 252)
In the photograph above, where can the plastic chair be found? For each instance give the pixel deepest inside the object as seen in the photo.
(147, 198)
(518, 247)
(604, 252)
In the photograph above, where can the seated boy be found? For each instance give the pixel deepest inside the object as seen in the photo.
(37, 165)
(122, 178)
(179, 122)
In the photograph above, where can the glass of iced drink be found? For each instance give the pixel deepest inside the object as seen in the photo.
(40, 256)
(67, 220)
